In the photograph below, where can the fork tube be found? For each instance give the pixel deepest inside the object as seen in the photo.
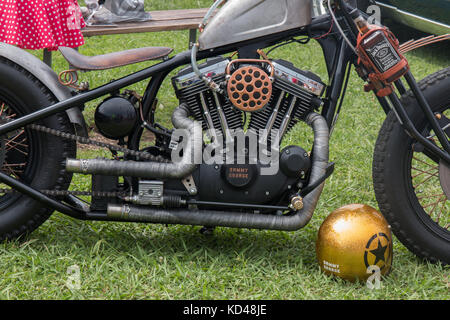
(337, 81)
(382, 101)
(400, 87)
(427, 111)
(412, 131)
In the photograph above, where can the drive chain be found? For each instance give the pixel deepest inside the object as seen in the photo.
(87, 141)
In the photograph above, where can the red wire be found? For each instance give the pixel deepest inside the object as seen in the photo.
(329, 31)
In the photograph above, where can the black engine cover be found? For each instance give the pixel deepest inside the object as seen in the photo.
(295, 161)
(242, 184)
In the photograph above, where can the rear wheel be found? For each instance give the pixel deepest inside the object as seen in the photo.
(413, 190)
(30, 156)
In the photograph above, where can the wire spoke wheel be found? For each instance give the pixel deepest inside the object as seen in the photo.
(16, 148)
(427, 181)
(412, 185)
(31, 156)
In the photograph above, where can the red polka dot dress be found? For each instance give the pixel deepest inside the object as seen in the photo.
(39, 24)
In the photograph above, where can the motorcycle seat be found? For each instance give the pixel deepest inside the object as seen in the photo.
(113, 60)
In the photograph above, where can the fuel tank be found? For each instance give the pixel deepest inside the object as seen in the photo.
(240, 20)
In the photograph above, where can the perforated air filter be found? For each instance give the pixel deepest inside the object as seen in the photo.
(249, 89)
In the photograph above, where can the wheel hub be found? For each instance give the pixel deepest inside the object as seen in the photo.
(444, 177)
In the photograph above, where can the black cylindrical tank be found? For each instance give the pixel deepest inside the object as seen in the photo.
(116, 117)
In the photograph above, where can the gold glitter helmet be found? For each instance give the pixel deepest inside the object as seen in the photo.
(353, 241)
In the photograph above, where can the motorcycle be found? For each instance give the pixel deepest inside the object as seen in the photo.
(201, 172)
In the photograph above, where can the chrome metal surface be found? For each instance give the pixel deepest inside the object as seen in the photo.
(297, 203)
(297, 79)
(223, 118)
(273, 117)
(191, 78)
(287, 117)
(241, 20)
(206, 111)
(318, 8)
(444, 177)
(150, 193)
(189, 184)
(413, 20)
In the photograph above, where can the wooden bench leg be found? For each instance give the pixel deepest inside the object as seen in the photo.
(192, 37)
(47, 57)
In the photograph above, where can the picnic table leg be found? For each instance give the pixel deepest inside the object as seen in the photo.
(48, 57)
(192, 37)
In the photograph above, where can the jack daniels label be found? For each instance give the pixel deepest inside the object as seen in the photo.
(381, 51)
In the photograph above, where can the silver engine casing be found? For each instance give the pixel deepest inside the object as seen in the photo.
(241, 20)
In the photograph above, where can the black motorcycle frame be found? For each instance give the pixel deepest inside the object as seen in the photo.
(338, 57)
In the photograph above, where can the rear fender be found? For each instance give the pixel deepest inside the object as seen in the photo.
(48, 78)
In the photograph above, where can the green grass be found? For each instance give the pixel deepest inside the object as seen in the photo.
(138, 261)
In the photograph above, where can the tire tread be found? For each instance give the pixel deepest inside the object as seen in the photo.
(64, 178)
(379, 162)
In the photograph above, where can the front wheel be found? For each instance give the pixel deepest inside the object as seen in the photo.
(412, 190)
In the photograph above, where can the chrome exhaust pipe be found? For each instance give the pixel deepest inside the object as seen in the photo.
(150, 170)
(242, 220)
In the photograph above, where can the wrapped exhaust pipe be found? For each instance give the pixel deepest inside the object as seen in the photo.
(242, 220)
(150, 170)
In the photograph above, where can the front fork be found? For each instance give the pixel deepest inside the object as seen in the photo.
(431, 149)
(379, 75)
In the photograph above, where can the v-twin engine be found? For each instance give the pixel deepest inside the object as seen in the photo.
(295, 94)
(257, 97)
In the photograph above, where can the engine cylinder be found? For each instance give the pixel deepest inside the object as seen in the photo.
(294, 94)
(213, 110)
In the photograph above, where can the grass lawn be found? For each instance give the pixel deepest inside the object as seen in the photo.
(138, 261)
